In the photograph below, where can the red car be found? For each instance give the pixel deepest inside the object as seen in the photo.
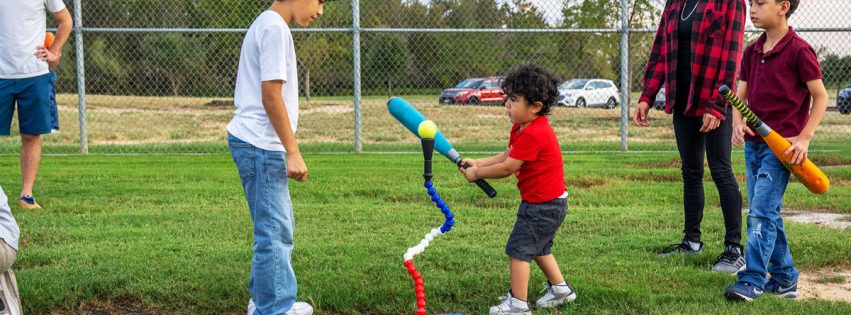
(475, 91)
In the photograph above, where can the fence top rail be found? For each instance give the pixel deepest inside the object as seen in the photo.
(756, 30)
(416, 30)
(349, 30)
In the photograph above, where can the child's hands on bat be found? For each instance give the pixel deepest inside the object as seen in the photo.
(799, 149)
(470, 173)
(471, 162)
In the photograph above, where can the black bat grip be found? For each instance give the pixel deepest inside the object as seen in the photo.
(428, 148)
(483, 185)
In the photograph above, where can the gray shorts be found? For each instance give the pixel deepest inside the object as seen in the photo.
(535, 228)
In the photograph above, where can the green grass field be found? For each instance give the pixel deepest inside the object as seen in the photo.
(172, 234)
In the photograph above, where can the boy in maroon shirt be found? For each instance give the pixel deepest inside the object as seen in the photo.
(780, 79)
(534, 156)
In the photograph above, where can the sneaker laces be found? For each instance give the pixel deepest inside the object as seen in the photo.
(730, 255)
(504, 297)
(547, 286)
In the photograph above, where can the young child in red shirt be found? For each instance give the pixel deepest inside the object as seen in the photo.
(534, 156)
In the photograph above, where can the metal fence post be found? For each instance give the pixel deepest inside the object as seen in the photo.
(625, 79)
(356, 70)
(81, 75)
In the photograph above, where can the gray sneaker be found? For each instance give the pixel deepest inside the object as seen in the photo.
(510, 305)
(730, 261)
(556, 295)
(681, 248)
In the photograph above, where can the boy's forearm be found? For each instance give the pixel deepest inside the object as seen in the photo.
(276, 111)
(820, 97)
(495, 171)
(816, 115)
(742, 94)
(488, 161)
(63, 31)
(737, 117)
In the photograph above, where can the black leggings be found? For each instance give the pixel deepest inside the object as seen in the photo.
(716, 144)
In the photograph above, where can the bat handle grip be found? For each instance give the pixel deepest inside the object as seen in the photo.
(483, 185)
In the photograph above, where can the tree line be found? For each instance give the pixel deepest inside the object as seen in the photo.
(204, 63)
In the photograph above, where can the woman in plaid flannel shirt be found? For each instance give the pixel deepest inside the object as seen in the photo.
(698, 47)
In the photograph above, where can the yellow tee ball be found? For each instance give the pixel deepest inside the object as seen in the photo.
(427, 129)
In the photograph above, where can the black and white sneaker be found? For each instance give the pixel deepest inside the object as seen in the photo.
(682, 248)
(730, 261)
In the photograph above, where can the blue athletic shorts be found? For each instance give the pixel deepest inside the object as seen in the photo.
(32, 96)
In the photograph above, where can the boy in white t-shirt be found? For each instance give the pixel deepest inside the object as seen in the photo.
(25, 80)
(261, 139)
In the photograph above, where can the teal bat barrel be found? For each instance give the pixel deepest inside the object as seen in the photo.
(406, 114)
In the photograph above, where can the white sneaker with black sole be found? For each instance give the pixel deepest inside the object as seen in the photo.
(556, 295)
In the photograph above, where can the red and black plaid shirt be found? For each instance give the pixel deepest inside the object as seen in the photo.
(716, 54)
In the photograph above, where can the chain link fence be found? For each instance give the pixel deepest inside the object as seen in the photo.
(159, 74)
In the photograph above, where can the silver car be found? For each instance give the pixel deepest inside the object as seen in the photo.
(588, 92)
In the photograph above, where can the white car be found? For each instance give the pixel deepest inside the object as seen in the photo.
(588, 92)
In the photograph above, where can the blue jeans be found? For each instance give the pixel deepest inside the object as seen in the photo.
(767, 179)
(263, 174)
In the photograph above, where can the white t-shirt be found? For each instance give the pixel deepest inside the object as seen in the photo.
(23, 24)
(9, 231)
(268, 53)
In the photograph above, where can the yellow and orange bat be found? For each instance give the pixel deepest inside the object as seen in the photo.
(808, 173)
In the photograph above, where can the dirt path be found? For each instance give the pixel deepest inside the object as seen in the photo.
(833, 285)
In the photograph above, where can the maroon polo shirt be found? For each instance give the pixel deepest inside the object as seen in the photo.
(777, 83)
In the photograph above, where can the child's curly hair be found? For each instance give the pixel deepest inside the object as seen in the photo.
(535, 84)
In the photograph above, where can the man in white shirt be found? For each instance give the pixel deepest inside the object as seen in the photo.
(25, 80)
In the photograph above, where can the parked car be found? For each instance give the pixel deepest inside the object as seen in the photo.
(588, 92)
(475, 91)
(659, 102)
(843, 100)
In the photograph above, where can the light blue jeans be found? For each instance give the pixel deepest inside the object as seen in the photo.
(263, 174)
(767, 250)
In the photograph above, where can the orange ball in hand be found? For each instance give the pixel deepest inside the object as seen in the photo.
(48, 39)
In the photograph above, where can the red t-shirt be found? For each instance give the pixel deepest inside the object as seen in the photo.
(541, 177)
(777, 83)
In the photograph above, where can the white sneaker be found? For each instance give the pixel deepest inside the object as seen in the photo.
(556, 295)
(299, 308)
(510, 305)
